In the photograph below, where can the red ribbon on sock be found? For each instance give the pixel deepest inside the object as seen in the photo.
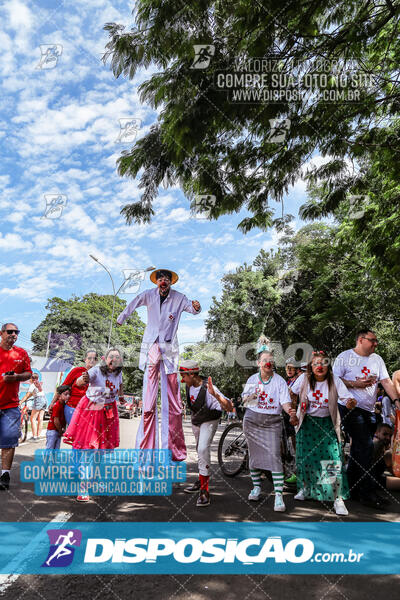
(204, 482)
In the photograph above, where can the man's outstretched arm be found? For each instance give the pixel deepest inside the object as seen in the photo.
(140, 300)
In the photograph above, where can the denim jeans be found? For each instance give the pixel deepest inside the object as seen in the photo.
(68, 412)
(360, 425)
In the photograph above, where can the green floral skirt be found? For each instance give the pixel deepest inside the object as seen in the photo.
(319, 460)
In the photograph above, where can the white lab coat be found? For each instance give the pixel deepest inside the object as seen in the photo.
(162, 324)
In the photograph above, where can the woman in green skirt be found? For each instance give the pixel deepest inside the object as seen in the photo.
(319, 455)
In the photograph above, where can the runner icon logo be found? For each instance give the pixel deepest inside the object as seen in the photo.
(54, 205)
(129, 127)
(330, 471)
(50, 53)
(61, 553)
(202, 55)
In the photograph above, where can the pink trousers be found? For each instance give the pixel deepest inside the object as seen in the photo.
(172, 437)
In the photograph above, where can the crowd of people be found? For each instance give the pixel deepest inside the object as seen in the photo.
(323, 404)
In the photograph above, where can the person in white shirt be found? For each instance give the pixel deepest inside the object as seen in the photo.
(319, 456)
(205, 403)
(36, 393)
(265, 394)
(159, 355)
(361, 369)
(95, 423)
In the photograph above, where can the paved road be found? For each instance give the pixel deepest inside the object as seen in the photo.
(229, 503)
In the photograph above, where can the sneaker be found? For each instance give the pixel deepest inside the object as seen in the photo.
(35, 439)
(255, 494)
(203, 499)
(191, 489)
(279, 505)
(301, 495)
(82, 498)
(340, 508)
(5, 481)
(291, 479)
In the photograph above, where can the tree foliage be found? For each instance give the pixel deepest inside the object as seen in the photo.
(215, 146)
(316, 289)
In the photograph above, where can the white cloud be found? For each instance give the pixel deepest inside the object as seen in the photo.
(190, 334)
(218, 240)
(231, 266)
(179, 215)
(34, 289)
(12, 241)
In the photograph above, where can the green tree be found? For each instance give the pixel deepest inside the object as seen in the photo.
(366, 203)
(215, 146)
(315, 290)
(79, 324)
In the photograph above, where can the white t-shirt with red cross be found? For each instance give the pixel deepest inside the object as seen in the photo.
(211, 402)
(318, 399)
(270, 396)
(103, 389)
(351, 366)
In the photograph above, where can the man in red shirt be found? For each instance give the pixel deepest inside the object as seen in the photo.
(15, 367)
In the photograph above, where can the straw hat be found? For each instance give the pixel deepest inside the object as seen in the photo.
(174, 276)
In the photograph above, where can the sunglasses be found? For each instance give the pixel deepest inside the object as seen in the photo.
(10, 331)
(372, 340)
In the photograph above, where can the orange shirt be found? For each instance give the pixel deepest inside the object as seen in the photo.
(16, 360)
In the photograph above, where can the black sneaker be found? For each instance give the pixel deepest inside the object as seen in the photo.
(5, 481)
(192, 489)
(203, 499)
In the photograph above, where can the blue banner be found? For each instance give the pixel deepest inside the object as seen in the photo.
(211, 548)
(118, 472)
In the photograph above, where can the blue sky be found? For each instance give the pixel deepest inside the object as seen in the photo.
(59, 132)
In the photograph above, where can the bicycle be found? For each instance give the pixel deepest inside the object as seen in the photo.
(233, 453)
(24, 424)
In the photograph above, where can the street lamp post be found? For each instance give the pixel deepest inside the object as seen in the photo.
(115, 293)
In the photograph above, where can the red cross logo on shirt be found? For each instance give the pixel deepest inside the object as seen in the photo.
(192, 399)
(262, 395)
(317, 395)
(365, 371)
(110, 384)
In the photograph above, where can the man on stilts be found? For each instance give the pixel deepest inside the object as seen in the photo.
(159, 357)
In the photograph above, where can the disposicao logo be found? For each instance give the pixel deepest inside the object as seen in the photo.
(62, 547)
(191, 550)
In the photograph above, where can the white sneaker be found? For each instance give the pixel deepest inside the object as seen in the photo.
(279, 505)
(255, 494)
(340, 508)
(301, 495)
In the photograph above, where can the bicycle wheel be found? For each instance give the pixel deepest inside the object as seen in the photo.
(232, 450)
(24, 429)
